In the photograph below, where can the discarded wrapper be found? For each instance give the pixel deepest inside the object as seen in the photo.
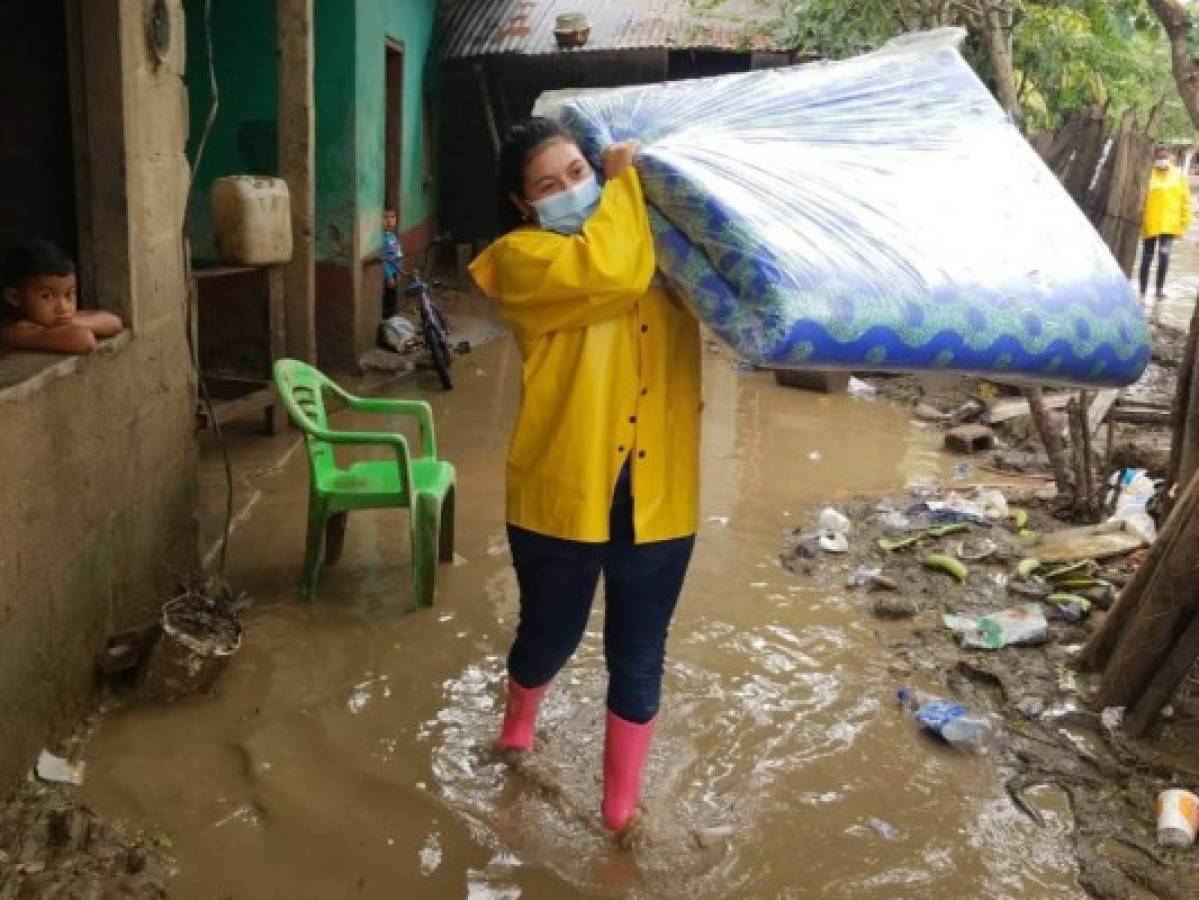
(1177, 818)
(1017, 625)
(58, 770)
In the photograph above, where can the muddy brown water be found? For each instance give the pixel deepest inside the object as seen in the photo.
(347, 752)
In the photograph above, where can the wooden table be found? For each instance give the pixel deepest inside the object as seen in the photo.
(236, 394)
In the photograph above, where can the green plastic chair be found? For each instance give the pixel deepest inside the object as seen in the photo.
(424, 484)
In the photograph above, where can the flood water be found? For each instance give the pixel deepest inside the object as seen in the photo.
(347, 752)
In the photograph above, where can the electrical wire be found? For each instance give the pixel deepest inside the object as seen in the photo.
(206, 399)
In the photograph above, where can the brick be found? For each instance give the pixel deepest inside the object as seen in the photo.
(969, 439)
(824, 382)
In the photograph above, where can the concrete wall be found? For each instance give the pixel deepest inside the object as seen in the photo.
(99, 452)
(351, 36)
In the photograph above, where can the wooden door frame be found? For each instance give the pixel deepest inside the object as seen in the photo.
(393, 127)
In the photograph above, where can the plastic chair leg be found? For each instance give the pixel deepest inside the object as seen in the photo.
(445, 528)
(317, 513)
(335, 537)
(424, 549)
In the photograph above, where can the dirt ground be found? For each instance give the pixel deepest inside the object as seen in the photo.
(1054, 753)
(51, 846)
(1059, 751)
(1052, 749)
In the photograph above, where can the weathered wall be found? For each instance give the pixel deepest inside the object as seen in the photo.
(350, 105)
(350, 36)
(99, 454)
(244, 138)
(410, 22)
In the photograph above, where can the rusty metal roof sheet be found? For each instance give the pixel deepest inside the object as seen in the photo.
(472, 28)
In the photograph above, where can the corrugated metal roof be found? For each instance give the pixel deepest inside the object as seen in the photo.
(483, 27)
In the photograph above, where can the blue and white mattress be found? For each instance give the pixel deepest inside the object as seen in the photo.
(879, 213)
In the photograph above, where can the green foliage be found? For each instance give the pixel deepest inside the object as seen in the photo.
(1067, 54)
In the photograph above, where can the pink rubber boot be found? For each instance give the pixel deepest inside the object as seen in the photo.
(520, 715)
(626, 747)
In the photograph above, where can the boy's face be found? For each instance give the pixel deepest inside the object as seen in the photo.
(45, 300)
(389, 220)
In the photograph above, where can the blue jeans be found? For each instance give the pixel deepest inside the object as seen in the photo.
(557, 581)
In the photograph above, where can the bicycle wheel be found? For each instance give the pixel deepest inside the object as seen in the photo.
(439, 352)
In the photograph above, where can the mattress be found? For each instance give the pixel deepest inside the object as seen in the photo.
(874, 214)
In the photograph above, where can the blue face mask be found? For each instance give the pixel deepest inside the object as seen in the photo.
(566, 211)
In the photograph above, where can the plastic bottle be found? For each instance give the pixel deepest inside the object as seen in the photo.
(947, 719)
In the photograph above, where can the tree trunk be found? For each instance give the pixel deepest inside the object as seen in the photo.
(1098, 650)
(1176, 20)
(995, 40)
(1168, 603)
(1053, 443)
(1183, 410)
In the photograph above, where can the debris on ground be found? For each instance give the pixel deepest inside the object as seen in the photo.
(1017, 626)
(1177, 818)
(948, 720)
(53, 846)
(1035, 700)
(57, 770)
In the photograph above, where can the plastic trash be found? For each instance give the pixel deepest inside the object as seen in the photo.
(58, 770)
(1018, 625)
(834, 531)
(397, 332)
(891, 518)
(949, 720)
(1133, 489)
(993, 503)
(1031, 707)
(859, 388)
(1112, 718)
(863, 575)
(883, 828)
(831, 542)
(835, 522)
(1177, 818)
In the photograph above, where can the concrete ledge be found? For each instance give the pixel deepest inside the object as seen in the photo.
(23, 373)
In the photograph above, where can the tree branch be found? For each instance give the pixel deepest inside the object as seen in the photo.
(1177, 22)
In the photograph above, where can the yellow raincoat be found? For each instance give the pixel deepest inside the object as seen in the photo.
(1168, 207)
(611, 372)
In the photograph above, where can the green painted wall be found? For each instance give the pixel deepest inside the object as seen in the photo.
(244, 138)
(409, 22)
(350, 36)
(335, 136)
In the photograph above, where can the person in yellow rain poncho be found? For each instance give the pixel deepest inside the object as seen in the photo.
(1167, 216)
(603, 467)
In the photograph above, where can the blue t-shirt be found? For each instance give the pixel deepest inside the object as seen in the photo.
(393, 256)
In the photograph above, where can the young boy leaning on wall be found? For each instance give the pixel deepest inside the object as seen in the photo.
(40, 309)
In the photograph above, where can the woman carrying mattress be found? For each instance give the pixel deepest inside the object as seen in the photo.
(603, 466)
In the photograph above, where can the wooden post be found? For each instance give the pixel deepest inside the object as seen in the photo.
(1175, 667)
(1187, 422)
(1053, 444)
(1163, 609)
(493, 129)
(1182, 402)
(297, 165)
(1099, 648)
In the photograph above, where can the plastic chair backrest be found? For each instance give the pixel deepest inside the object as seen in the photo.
(302, 389)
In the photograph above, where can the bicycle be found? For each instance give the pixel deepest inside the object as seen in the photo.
(434, 329)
